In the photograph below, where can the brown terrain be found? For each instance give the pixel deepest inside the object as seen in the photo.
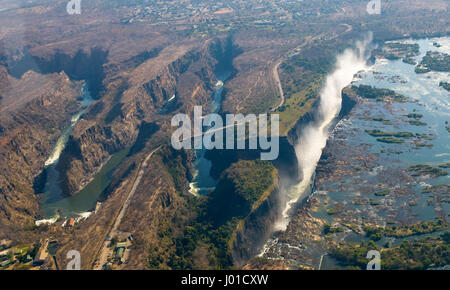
(133, 66)
(29, 126)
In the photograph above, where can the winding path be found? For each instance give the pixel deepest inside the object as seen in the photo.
(276, 76)
(294, 52)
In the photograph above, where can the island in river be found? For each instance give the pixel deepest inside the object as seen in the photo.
(382, 182)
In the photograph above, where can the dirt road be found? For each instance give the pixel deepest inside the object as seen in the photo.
(105, 250)
(293, 52)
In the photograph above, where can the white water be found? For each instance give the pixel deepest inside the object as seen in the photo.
(314, 136)
(47, 221)
(62, 141)
(172, 98)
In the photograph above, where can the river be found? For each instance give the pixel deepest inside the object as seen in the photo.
(203, 183)
(363, 181)
(52, 201)
(430, 144)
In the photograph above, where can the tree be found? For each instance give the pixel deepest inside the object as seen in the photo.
(114, 241)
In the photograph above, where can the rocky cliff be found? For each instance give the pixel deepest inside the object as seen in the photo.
(256, 228)
(247, 197)
(35, 109)
(183, 74)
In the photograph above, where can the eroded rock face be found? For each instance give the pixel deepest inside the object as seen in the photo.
(30, 125)
(256, 229)
(184, 71)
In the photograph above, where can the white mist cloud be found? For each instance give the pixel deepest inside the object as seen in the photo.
(314, 136)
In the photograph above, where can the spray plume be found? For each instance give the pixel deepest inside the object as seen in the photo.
(314, 136)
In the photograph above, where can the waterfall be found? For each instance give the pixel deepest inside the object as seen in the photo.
(313, 137)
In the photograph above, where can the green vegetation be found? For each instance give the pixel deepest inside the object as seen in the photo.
(423, 169)
(416, 123)
(302, 76)
(382, 120)
(114, 241)
(383, 192)
(413, 255)
(374, 202)
(434, 61)
(333, 211)
(241, 189)
(428, 137)
(199, 237)
(414, 116)
(370, 92)
(379, 133)
(19, 257)
(422, 145)
(177, 167)
(375, 119)
(391, 140)
(409, 60)
(421, 70)
(395, 51)
(445, 165)
(373, 233)
(440, 189)
(421, 228)
(329, 229)
(445, 85)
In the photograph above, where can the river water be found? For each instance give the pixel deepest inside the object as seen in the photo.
(52, 201)
(203, 183)
(430, 146)
(357, 166)
(427, 98)
(408, 200)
